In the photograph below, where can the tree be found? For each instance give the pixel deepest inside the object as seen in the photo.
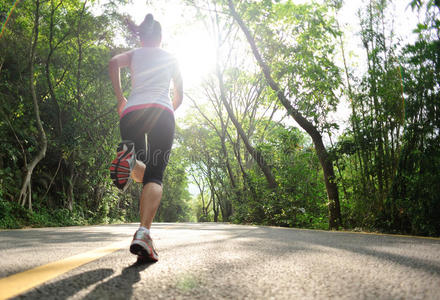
(68, 81)
(26, 189)
(309, 127)
(414, 203)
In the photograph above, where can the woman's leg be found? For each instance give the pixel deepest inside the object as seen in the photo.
(160, 140)
(132, 129)
(138, 171)
(150, 200)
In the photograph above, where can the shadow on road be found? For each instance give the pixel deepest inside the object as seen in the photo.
(121, 286)
(284, 241)
(16, 239)
(65, 288)
(367, 245)
(251, 249)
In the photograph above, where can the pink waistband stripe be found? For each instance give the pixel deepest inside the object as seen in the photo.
(146, 105)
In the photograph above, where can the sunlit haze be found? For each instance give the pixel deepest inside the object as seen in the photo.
(187, 38)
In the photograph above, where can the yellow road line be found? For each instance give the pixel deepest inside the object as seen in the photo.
(18, 283)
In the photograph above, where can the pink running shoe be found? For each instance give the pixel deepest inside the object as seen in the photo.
(120, 169)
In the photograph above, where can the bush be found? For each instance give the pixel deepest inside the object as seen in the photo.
(14, 216)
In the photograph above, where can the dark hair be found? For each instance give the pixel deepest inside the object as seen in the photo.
(149, 30)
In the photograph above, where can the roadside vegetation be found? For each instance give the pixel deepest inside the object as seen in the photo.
(260, 143)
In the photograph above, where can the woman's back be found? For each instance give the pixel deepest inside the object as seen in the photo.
(152, 69)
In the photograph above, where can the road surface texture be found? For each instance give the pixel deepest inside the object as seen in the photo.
(222, 261)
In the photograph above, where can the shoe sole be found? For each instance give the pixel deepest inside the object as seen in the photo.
(120, 173)
(120, 169)
(145, 254)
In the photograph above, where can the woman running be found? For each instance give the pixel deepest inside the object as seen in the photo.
(147, 112)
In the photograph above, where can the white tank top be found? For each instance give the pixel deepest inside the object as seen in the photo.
(151, 71)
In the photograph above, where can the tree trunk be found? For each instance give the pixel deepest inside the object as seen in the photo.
(246, 180)
(80, 57)
(222, 135)
(326, 162)
(211, 187)
(71, 182)
(47, 67)
(26, 191)
(202, 195)
(256, 155)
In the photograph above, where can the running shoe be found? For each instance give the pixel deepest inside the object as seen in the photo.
(120, 169)
(142, 246)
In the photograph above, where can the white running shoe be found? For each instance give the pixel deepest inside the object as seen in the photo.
(142, 246)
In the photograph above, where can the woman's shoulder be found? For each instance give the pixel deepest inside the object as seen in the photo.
(156, 54)
(153, 50)
(167, 56)
(166, 53)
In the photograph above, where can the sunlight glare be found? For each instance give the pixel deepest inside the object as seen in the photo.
(184, 36)
(196, 55)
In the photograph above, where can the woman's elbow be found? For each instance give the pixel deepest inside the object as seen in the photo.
(179, 93)
(112, 64)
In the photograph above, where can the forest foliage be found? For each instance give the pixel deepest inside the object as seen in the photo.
(261, 145)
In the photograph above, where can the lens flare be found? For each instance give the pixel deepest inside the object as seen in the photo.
(7, 19)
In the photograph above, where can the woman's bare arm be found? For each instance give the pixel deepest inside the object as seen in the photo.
(177, 90)
(116, 63)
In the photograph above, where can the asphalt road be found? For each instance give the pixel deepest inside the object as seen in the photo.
(221, 261)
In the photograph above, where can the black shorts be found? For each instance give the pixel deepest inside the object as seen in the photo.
(158, 125)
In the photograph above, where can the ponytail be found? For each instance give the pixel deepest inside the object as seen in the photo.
(147, 26)
(134, 29)
(148, 30)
